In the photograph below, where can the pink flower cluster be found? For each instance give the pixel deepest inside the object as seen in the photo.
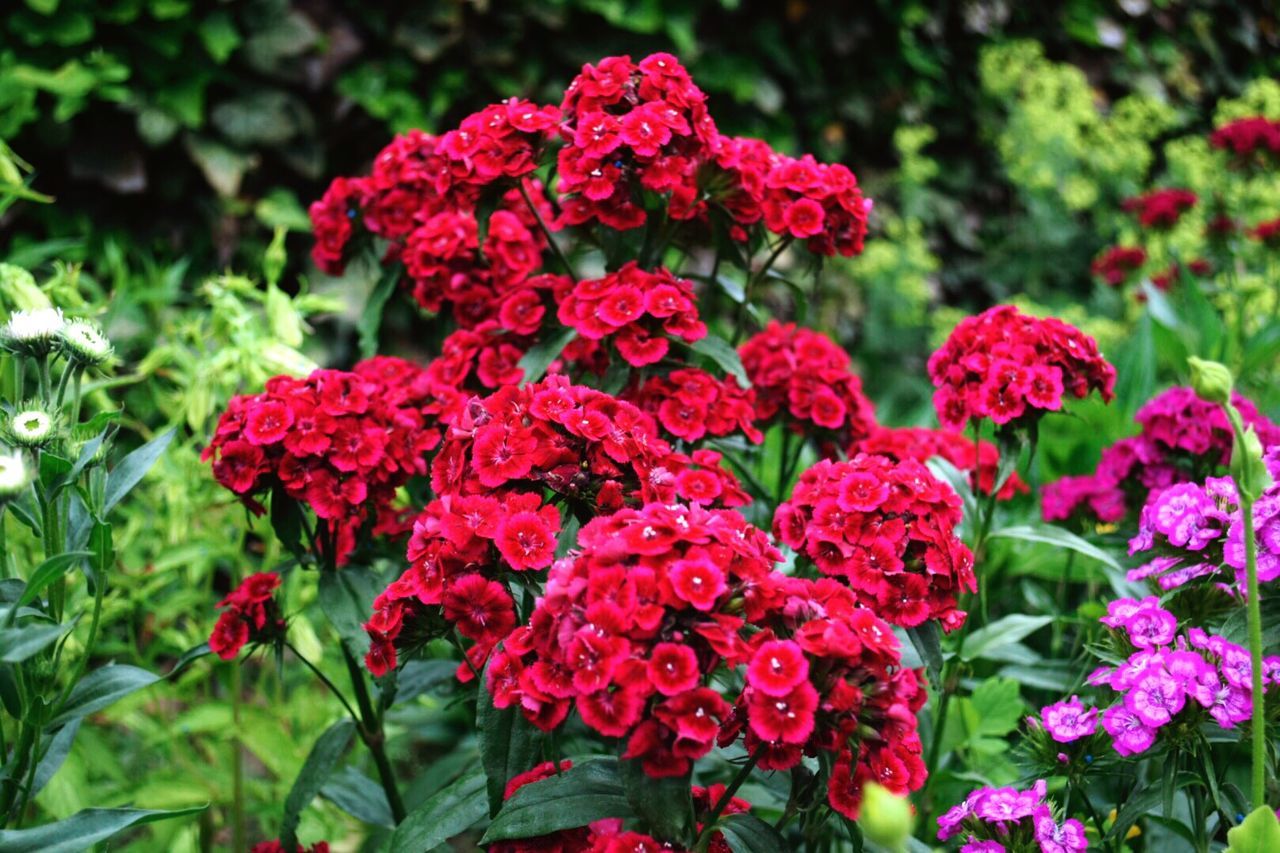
(888, 530)
(1183, 439)
(250, 615)
(1008, 367)
(795, 197)
(980, 461)
(690, 404)
(637, 310)
(1160, 208)
(340, 442)
(1250, 139)
(1168, 677)
(803, 378)
(995, 820)
(1117, 264)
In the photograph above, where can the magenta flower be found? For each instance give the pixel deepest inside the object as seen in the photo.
(1150, 625)
(1068, 721)
(1129, 733)
(1156, 697)
(1065, 838)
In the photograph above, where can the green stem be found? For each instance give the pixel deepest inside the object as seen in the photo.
(239, 830)
(551, 240)
(374, 737)
(1259, 777)
(324, 679)
(709, 825)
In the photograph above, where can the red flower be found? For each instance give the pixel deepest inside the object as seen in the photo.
(673, 668)
(1160, 208)
(250, 615)
(527, 540)
(777, 668)
(1117, 264)
(922, 444)
(785, 719)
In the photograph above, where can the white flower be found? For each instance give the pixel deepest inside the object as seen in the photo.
(31, 428)
(34, 332)
(13, 474)
(83, 341)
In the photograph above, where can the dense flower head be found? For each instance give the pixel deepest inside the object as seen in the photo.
(887, 528)
(249, 615)
(1183, 439)
(1250, 140)
(992, 820)
(463, 552)
(824, 675)
(803, 378)
(1267, 232)
(276, 847)
(629, 127)
(587, 447)
(1160, 208)
(1008, 367)
(629, 629)
(797, 198)
(980, 461)
(1118, 264)
(340, 442)
(690, 404)
(639, 311)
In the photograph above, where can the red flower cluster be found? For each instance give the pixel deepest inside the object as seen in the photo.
(1267, 232)
(802, 374)
(589, 448)
(340, 442)
(690, 403)
(462, 550)
(922, 444)
(888, 529)
(629, 631)
(1117, 264)
(825, 676)
(1249, 139)
(799, 198)
(635, 309)
(607, 835)
(1006, 366)
(631, 126)
(1160, 208)
(250, 615)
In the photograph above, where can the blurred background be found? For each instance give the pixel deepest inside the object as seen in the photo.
(151, 149)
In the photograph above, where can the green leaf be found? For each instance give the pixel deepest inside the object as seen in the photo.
(359, 796)
(958, 480)
(83, 829)
(371, 317)
(131, 469)
(722, 353)
(1259, 833)
(535, 362)
(49, 571)
(20, 642)
(189, 657)
(286, 521)
(103, 550)
(445, 814)
(346, 597)
(927, 640)
(55, 753)
(586, 792)
(664, 804)
(999, 633)
(1047, 534)
(508, 743)
(746, 833)
(422, 676)
(329, 747)
(101, 688)
(997, 707)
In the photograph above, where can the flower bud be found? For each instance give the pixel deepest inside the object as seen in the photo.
(15, 475)
(33, 333)
(274, 259)
(83, 342)
(886, 819)
(30, 426)
(1247, 468)
(1211, 380)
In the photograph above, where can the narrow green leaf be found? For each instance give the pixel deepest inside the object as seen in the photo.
(664, 804)
(55, 753)
(49, 571)
(329, 747)
(359, 796)
(999, 633)
(746, 833)
(584, 793)
(189, 657)
(722, 353)
(422, 676)
(83, 829)
(346, 597)
(508, 743)
(535, 362)
(927, 640)
(444, 815)
(19, 642)
(1047, 534)
(103, 549)
(371, 317)
(101, 688)
(286, 522)
(131, 469)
